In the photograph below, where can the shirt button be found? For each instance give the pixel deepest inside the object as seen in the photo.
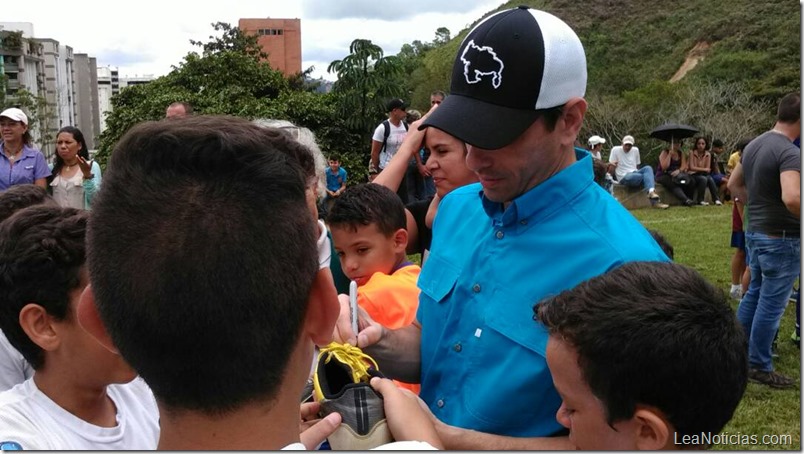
(476, 288)
(457, 347)
(500, 235)
(440, 403)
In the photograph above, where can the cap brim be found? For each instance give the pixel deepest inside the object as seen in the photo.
(479, 123)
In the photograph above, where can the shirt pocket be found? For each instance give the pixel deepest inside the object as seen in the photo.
(512, 389)
(438, 278)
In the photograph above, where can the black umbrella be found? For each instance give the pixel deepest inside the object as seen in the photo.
(673, 131)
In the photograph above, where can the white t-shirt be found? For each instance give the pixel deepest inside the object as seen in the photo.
(13, 367)
(626, 162)
(395, 138)
(29, 420)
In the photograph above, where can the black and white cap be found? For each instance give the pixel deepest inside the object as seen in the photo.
(511, 65)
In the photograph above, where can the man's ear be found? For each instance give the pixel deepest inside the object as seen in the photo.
(38, 326)
(90, 320)
(400, 240)
(322, 308)
(572, 116)
(653, 431)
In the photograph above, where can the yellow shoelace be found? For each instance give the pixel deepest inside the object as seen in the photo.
(351, 356)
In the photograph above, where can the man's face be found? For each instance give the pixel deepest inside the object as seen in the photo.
(399, 114)
(509, 172)
(436, 99)
(176, 111)
(581, 412)
(627, 147)
(717, 150)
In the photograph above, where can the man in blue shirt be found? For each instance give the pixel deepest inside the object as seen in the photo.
(534, 225)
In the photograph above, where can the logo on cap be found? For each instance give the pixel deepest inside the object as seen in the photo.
(481, 61)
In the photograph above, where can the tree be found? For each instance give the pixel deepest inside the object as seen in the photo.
(228, 77)
(366, 81)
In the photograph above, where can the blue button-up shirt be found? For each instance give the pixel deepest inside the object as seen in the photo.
(30, 167)
(482, 355)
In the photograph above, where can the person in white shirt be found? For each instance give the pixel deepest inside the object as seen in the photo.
(626, 160)
(222, 321)
(596, 146)
(82, 395)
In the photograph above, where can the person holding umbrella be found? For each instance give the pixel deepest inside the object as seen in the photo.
(626, 160)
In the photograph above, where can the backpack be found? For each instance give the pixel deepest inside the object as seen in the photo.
(387, 125)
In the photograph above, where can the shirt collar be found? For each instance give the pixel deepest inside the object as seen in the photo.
(546, 197)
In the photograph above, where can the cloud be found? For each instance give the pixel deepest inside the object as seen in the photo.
(117, 57)
(389, 11)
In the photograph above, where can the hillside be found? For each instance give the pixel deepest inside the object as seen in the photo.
(719, 65)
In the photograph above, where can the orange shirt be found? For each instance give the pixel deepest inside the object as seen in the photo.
(392, 300)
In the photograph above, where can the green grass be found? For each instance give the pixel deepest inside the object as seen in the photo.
(700, 237)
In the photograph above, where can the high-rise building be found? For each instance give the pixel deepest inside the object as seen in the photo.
(108, 86)
(280, 39)
(86, 88)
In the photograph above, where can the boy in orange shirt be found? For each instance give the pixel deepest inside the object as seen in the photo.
(368, 230)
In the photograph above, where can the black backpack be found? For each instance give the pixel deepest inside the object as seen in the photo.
(387, 125)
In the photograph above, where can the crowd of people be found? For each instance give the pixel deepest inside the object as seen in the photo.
(187, 299)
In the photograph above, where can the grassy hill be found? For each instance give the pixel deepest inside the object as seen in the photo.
(738, 57)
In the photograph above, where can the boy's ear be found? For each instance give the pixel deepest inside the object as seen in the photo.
(653, 432)
(323, 308)
(400, 240)
(38, 326)
(89, 319)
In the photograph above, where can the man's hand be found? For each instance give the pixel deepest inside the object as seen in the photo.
(314, 430)
(370, 332)
(405, 413)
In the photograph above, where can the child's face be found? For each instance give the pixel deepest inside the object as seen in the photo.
(581, 412)
(95, 364)
(366, 251)
(334, 165)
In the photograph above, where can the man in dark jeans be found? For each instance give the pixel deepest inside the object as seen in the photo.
(769, 179)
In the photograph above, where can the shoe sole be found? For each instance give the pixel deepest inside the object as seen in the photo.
(345, 439)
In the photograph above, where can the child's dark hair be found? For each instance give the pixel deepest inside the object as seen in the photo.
(366, 204)
(663, 243)
(22, 196)
(41, 255)
(656, 334)
(334, 157)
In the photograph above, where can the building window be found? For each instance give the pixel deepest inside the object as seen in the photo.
(270, 31)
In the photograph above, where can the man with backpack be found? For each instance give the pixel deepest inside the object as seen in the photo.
(386, 141)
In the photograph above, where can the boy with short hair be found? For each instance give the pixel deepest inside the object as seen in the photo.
(368, 228)
(646, 356)
(82, 396)
(336, 177)
(222, 322)
(14, 369)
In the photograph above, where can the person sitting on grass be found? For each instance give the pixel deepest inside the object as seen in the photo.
(626, 161)
(82, 395)
(368, 229)
(222, 322)
(646, 356)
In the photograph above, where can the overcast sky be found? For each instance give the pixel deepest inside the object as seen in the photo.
(148, 36)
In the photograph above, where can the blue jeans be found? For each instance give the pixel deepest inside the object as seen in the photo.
(642, 177)
(775, 265)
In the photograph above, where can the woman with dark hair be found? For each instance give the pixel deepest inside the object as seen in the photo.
(75, 178)
(669, 173)
(20, 163)
(700, 165)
